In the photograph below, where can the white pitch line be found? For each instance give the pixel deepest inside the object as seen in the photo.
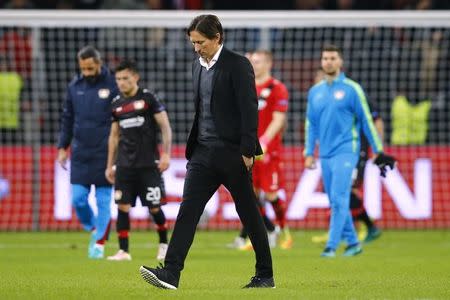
(62, 246)
(81, 246)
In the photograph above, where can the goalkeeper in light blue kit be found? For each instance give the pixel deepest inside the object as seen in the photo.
(336, 111)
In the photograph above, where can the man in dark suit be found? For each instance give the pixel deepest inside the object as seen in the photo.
(221, 148)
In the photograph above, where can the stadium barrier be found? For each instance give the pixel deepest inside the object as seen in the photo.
(411, 196)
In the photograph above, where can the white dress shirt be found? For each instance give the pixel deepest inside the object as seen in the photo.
(212, 62)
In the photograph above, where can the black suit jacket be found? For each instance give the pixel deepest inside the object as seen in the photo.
(234, 104)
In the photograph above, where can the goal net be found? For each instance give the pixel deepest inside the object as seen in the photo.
(401, 59)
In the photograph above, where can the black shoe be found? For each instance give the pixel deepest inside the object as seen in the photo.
(258, 282)
(159, 277)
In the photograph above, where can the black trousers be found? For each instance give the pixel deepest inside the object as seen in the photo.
(208, 168)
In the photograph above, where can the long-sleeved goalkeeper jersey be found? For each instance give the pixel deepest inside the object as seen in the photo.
(335, 114)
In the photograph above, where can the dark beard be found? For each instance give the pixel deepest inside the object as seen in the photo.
(91, 79)
(331, 74)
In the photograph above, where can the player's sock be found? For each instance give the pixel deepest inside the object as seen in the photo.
(365, 219)
(162, 232)
(358, 211)
(243, 234)
(269, 225)
(123, 227)
(279, 208)
(160, 220)
(123, 240)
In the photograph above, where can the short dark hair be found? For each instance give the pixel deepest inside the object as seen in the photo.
(265, 52)
(331, 48)
(89, 52)
(207, 25)
(127, 64)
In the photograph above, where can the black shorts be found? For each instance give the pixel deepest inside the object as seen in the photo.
(147, 183)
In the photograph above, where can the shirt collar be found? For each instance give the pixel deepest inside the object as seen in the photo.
(213, 61)
(341, 77)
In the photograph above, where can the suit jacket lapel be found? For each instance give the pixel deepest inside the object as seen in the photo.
(217, 70)
(196, 79)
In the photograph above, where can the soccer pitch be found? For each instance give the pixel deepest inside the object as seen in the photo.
(400, 265)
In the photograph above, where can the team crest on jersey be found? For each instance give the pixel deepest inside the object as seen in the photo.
(265, 92)
(139, 104)
(339, 94)
(103, 93)
(117, 194)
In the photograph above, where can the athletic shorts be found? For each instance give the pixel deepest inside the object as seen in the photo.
(267, 175)
(147, 183)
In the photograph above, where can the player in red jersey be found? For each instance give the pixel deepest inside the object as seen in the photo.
(267, 174)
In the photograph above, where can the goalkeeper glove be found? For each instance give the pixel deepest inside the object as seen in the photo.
(383, 161)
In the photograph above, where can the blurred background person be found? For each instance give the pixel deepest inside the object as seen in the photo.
(11, 84)
(85, 126)
(132, 149)
(335, 107)
(267, 172)
(369, 232)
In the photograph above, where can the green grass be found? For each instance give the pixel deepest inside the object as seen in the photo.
(400, 265)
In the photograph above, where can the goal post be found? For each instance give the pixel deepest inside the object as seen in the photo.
(401, 59)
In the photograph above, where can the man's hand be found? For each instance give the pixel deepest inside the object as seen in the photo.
(263, 142)
(110, 174)
(265, 157)
(310, 162)
(62, 157)
(383, 161)
(248, 161)
(164, 162)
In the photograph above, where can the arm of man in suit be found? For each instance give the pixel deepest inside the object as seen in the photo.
(243, 81)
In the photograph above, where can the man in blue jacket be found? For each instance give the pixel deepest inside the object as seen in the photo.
(336, 111)
(85, 124)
